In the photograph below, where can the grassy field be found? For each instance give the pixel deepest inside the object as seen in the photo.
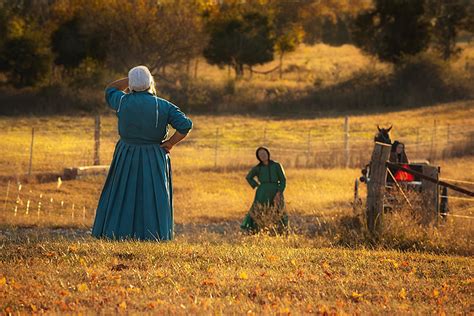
(327, 264)
(61, 141)
(247, 275)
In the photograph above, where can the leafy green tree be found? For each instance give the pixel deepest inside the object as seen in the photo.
(3, 26)
(336, 33)
(392, 29)
(74, 41)
(447, 19)
(152, 33)
(289, 32)
(240, 38)
(24, 61)
(328, 21)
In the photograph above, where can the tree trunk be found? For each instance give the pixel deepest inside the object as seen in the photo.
(239, 71)
(196, 63)
(281, 65)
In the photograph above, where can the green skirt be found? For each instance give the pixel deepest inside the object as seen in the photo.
(264, 213)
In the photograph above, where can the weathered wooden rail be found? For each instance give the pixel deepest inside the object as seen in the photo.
(376, 187)
(430, 179)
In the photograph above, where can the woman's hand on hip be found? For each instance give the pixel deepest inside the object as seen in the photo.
(277, 198)
(167, 146)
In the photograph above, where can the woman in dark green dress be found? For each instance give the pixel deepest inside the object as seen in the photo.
(268, 208)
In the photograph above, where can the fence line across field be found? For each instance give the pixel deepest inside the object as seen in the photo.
(438, 139)
(456, 215)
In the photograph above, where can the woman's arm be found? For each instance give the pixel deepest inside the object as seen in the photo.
(120, 84)
(176, 138)
(250, 178)
(114, 93)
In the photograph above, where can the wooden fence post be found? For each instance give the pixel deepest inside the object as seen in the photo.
(6, 196)
(308, 149)
(346, 142)
(309, 141)
(264, 141)
(433, 142)
(430, 193)
(31, 150)
(216, 145)
(447, 150)
(418, 143)
(448, 134)
(376, 187)
(97, 141)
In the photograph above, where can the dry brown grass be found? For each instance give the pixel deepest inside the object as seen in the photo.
(327, 264)
(63, 141)
(257, 274)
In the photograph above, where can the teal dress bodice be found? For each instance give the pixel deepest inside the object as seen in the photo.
(144, 118)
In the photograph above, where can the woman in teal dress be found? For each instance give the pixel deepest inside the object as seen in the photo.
(137, 199)
(268, 207)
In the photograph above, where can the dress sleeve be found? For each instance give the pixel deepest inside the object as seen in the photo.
(113, 97)
(250, 177)
(178, 120)
(281, 178)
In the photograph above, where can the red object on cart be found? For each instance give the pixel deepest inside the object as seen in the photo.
(403, 176)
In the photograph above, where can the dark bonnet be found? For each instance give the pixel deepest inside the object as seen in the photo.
(264, 148)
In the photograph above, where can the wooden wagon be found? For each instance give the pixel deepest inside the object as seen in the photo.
(383, 178)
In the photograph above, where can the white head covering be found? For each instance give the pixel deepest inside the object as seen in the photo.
(140, 79)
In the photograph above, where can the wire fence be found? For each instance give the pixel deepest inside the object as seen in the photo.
(27, 150)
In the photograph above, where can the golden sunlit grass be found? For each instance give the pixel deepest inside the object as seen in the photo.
(211, 268)
(301, 68)
(69, 141)
(247, 275)
(49, 262)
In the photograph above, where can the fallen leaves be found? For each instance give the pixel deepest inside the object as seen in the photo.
(50, 254)
(356, 296)
(82, 287)
(326, 269)
(392, 263)
(468, 281)
(3, 281)
(272, 258)
(243, 275)
(119, 267)
(402, 294)
(209, 282)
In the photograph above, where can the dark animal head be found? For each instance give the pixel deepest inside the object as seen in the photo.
(383, 135)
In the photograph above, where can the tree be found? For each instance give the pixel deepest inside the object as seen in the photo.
(25, 62)
(289, 32)
(392, 29)
(73, 42)
(3, 26)
(325, 21)
(336, 33)
(447, 18)
(238, 39)
(151, 33)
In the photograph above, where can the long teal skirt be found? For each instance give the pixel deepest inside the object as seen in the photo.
(137, 198)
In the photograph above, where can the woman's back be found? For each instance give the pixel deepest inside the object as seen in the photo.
(143, 118)
(137, 198)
